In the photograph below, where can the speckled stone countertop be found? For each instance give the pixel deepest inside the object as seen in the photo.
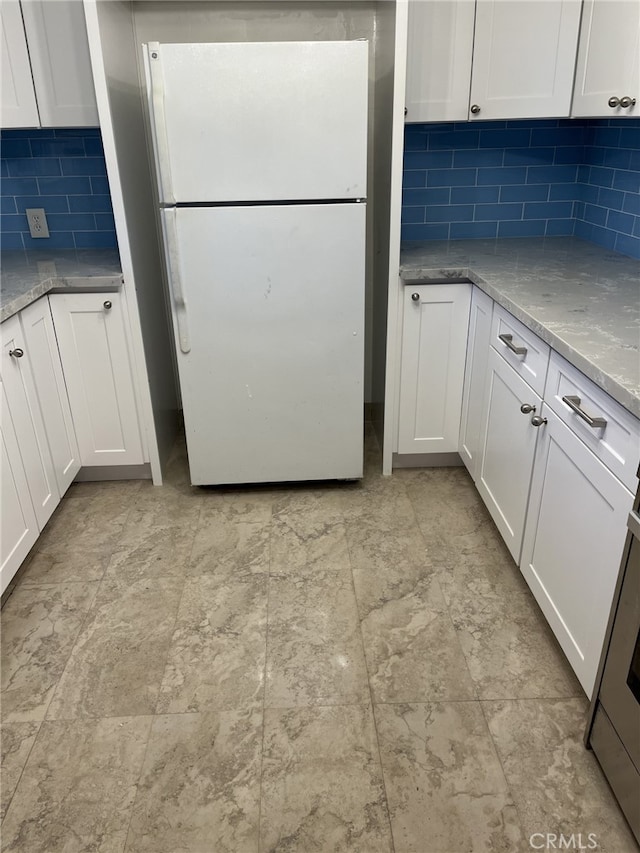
(26, 276)
(584, 301)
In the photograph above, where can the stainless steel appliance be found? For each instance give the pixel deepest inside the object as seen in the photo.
(613, 730)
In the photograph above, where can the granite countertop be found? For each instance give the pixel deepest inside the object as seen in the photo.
(584, 301)
(26, 276)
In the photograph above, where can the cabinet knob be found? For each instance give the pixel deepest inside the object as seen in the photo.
(107, 305)
(614, 102)
(537, 421)
(527, 408)
(627, 102)
(406, 110)
(16, 353)
(475, 109)
(415, 297)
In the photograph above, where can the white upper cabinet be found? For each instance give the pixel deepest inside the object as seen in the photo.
(440, 47)
(18, 106)
(60, 63)
(524, 58)
(607, 74)
(46, 70)
(517, 63)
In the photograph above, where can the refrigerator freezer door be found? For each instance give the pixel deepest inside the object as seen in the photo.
(273, 301)
(268, 121)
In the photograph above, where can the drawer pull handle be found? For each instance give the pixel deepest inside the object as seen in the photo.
(507, 340)
(574, 404)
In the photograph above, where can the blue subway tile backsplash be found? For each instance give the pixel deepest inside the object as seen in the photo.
(553, 177)
(64, 172)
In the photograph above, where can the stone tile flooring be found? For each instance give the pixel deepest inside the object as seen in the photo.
(355, 667)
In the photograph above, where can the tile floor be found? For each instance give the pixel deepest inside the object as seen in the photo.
(353, 668)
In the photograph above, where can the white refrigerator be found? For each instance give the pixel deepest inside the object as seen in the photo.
(260, 152)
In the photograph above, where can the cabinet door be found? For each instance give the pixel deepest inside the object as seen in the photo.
(524, 58)
(434, 340)
(18, 106)
(576, 529)
(27, 419)
(59, 51)
(43, 358)
(439, 51)
(508, 448)
(475, 373)
(95, 361)
(18, 525)
(608, 59)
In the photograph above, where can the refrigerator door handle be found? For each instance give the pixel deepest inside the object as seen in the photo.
(159, 122)
(175, 279)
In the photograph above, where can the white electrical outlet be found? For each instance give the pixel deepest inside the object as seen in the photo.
(37, 222)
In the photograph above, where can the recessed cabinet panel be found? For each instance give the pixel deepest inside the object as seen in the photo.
(95, 361)
(439, 50)
(18, 525)
(434, 339)
(41, 351)
(575, 533)
(474, 379)
(508, 449)
(608, 56)
(60, 63)
(18, 106)
(524, 58)
(27, 418)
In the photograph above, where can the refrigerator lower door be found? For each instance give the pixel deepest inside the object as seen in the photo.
(269, 316)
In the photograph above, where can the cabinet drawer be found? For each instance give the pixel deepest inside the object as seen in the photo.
(616, 444)
(531, 360)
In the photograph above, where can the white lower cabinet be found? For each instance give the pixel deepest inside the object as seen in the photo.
(24, 406)
(18, 525)
(576, 528)
(474, 379)
(92, 340)
(434, 339)
(43, 359)
(508, 446)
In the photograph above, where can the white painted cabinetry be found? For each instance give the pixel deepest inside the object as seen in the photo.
(18, 107)
(439, 51)
(607, 70)
(434, 339)
(90, 328)
(508, 446)
(518, 62)
(474, 379)
(27, 419)
(18, 525)
(573, 542)
(46, 69)
(60, 62)
(524, 58)
(42, 356)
